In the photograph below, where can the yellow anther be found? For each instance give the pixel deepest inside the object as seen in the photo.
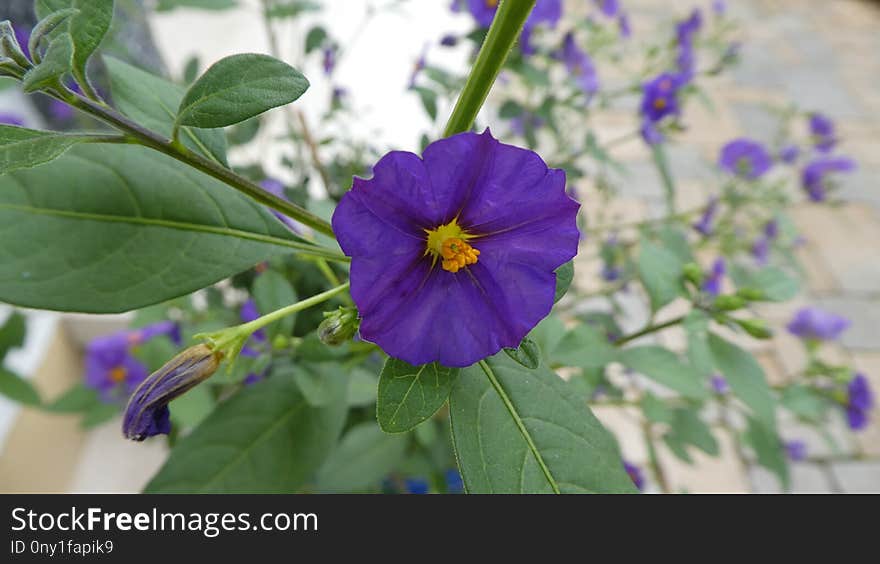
(448, 244)
(660, 103)
(491, 3)
(117, 375)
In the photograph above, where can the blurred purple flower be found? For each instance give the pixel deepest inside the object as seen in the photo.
(719, 384)
(580, 66)
(660, 97)
(719, 7)
(11, 119)
(624, 25)
(635, 474)
(796, 450)
(329, 62)
(418, 67)
(545, 12)
(715, 277)
(248, 313)
(275, 187)
(812, 323)
(609, 7)
(686, 29)
(823, 132)
(745, 158)
(815, 177)
(706, 224)
(416, 485)
(650, 133)
(789, 154)
(525, 122)
(449, 40)
(860, 401)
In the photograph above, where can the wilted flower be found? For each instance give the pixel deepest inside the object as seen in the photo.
(453, 255)
(860, 401)
(796, 450)
(789, 154)
(580, 66)
(147, 411)
(815, 324)
(816, 178)
(745, 158)
(715, 277)
(635, 474)
(110, 366)
(706, 224)
(822, 131)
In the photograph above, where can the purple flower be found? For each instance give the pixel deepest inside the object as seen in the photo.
(609, 7)
(545, 11)
(110, 367)
(23, 36)
(454, 483)
(147, 411)
(660, 97)
(449, 40)
(525, 122)
(816, 324)
(686, 29)
(580, 66)
(453, 255)
(789, 154)
(719, 384)
(275, 187)
(815, 177)
(329, 62)
(416, 485)
(650, 133)
(715, 277)
(771, 229)
(11, 119)
(249, 313)
(418, 67)
(706, 224)
(796, 450)
(860, 401)
(745, 158)
(635, 474)
(719, 7)
(822, 131)
(761, 250)
(624, 25)
(686, 62)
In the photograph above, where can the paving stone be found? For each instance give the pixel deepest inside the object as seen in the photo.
(805, 478)
(722, 474)
(757, 120)
(857, 476)
(865, 317)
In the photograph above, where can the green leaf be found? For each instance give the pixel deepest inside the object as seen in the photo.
(130, 228)
(364, 456)
(777, 285)
(429, 100)
(12, 333)
(522, 431)
(696, 326)
(77, 399)
(660, 271)
(56, 63)
(675, 240)
(411, 394)
(804, 402)
(746, 379)
(17, 388)
(44, 8)
(658, 152)
(153, 101)
(272, 291)
(88, 28)
(291, 8)
(548, 334)
(266, 439)
(240, 87)
(315, 38)
(564, 276)
(656, 409)
(585, 346)
(166, 5)
(528, 354)
(317, 382)
(98, 414)
(26, 148)
(47, 26)
(664, 367)
(192, 408)
(689, 429)
(362, 387)
(768, 449)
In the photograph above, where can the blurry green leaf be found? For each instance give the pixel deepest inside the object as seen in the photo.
(660, 271)
(291, 8)
(522, 431)
(548, 333)
(315, 38)
(247, 440)
(429, 100)
(77, 399)
(244, 132)
(362, 387)
(192, 408)
(191, 69)
(746, 379)
(318, 382)
(769, 450)
(664, 367)
(240, 87)
(585, 346)
(88, 28)
(165, 5)
(410, 394)
(272, 291)
(675, 240)
(696, 326)
(363, 457)
(777, 285)
(564, 276)
(689, 429)
(804, 402)
(17, 388)
(655, 409)
(99, 414)
(12, 333)
(527, 354)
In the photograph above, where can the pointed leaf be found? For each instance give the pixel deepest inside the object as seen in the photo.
(363, 457)
(746, 379)
(27, 148)
(664, 367)
(410, 394)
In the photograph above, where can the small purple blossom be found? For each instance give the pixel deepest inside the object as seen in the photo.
(660, 97)
(609, 8)
(248, 313)
(635, 474)
(147, 412)
(816, 179)
(796, 450)
(814, 324)
(329, 60)
(276, 188)
(415, 276)
(449, 40)
(719, 384)
(715, 277)
(416, 485)
(745, 158)
(761, 250)
(418, 67)
(822, 131)
(624, 26)
(860, 401)
(580, 66)
(719, 7)
(11, 119)
(650, 132)
(686, 29)
(706, 224)
(686, 58)
(789, 154)
(545, 12)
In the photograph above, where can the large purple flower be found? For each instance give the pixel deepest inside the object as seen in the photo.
(110, 367)
(453, 255)
(816, 178)
(812, 323)
(860, 400)
(823, 132)
(745, 158)
(580, 66)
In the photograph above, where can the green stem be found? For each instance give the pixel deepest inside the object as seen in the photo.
(178, 151)
(259, 323)
(505, 29)
(648, 330)
(662, 164)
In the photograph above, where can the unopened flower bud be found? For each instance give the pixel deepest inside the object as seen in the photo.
(147, 411)
(338, 326)
(9, 46)
(757, 328)
(729, 303)
(693, 273)
(751, 294)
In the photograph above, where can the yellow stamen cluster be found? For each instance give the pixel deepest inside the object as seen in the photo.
(660, 103)
(117, 375)
(457, 254)
(491, 3)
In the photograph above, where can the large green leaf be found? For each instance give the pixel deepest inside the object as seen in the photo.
(660, 271)
(768, 450)
(664, 367)
(522, 431)
(266, 439)
(153, 101)
(363, 457)
(27, 148)
(746, 379)
(410, 394)
(240, 87)
(112, 228)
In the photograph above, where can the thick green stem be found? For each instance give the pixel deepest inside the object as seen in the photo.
(178, 151)
(505, 29)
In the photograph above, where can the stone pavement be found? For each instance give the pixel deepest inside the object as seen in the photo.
(821, 54)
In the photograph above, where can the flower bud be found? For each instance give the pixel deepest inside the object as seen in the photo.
(338, 326)
(9, 46)
(757, 328)
(728, 303)
(693, 273)
(147, 411)
(751, 294)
